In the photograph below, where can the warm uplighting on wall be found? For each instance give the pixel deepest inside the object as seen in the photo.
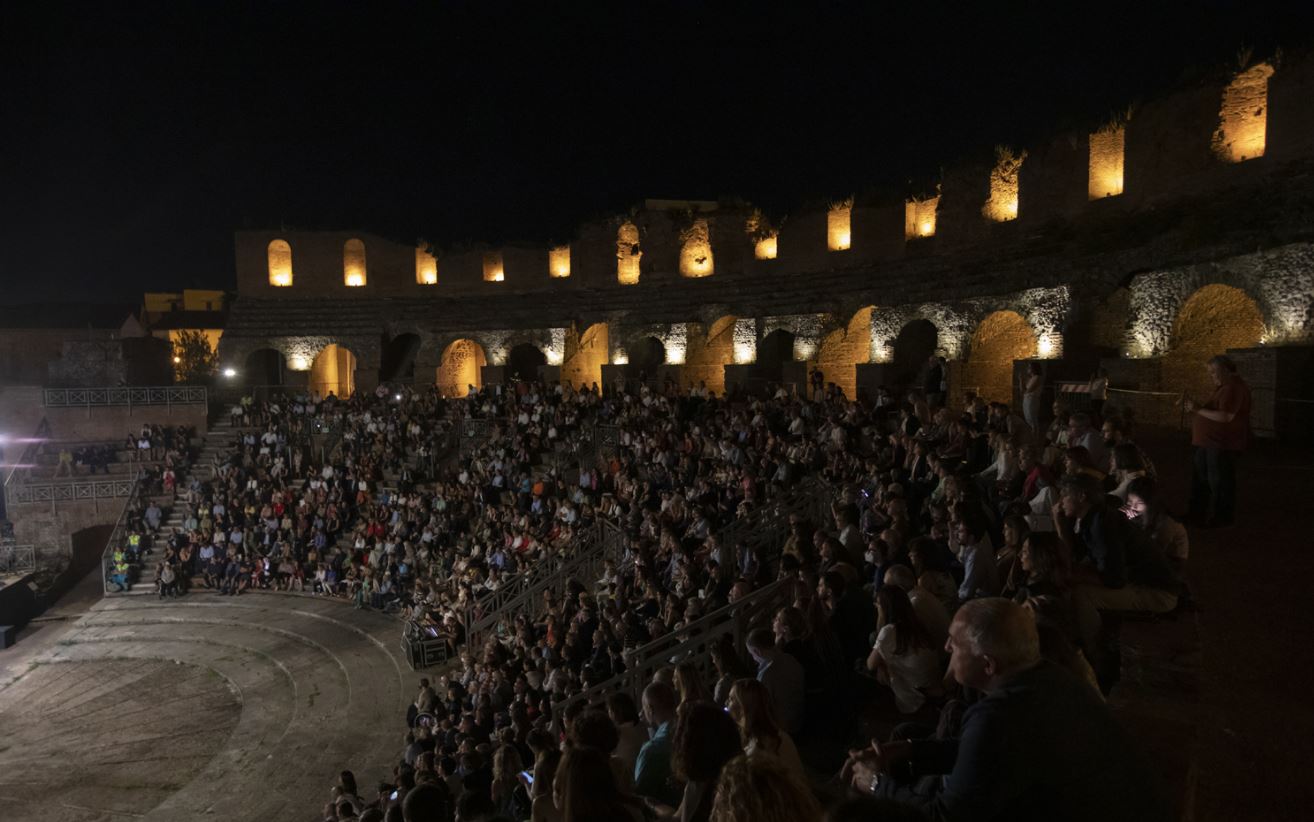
(1106, 161)
(1049, 346)
(280, 263)
(1243, 116)
(426, 268)
(919, 217)
(298, 364)
(696, 250)
(559, 261)
(839, 220)
(765, 248)
(745, 341)
(620, 357)
(1002, 205)
(353, 263)
(494, 271)
(628, 254)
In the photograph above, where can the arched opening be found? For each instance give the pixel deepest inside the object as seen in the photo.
(842, 349)
(1214, 319)
(264, 367)
(585, 355)
(460, 368)
(708, 355)
(280, 263)
(647, 355)
(524, 361)
(776, 349)
(353, 263)
(333, 372)
(1001, 338)
(398, 362)
(912, 348)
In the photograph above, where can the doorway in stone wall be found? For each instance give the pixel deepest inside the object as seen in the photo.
(1001, 338)
(775, 350)
(647, 355)
(460, 368)
(912, 348)
(334, 372)
(398, 361)
(524, 361)
(264, 366)
(1214, 319)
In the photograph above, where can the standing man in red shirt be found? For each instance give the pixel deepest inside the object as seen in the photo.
(1219, 430)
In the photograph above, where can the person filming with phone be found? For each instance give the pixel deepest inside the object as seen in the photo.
(1219, 431)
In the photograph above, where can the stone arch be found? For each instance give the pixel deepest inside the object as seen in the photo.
(916, 341)
(279, 261)
(461, 367)
(646, 356)
(397, 363)
(1000, 338)
(524, 360)
(353, 263)
(333, 371)
(843, 348)
(709, 353)
(1212, 320)
(774, 352)
(585, 354)
(264, 366)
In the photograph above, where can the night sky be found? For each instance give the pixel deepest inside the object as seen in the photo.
(137, 137)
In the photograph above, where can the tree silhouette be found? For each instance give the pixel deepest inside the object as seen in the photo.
(194, 361)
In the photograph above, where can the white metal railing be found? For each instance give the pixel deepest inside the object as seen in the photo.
(17, 559)
(125, 395)
(32, 493)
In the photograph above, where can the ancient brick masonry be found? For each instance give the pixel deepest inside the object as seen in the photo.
(1085, 268)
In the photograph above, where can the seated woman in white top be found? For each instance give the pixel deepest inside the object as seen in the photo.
(751, 709)
(904, 658)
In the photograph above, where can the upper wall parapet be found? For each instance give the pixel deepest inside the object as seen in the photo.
(1228, 139)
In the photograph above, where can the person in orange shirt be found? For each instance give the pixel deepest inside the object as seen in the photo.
(1219, 431)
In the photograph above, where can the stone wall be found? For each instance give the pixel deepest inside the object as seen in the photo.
(22, 410)
(1074, 275)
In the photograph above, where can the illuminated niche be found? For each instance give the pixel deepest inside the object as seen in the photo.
(559, 262)
(353, 263)
(1243, 116)
(426, 267)
(839, 220)
(494, 271)
(628, 254)
(1002, 205)
(919, 217)
(696, 250)
(280, 263)
(1106, 161)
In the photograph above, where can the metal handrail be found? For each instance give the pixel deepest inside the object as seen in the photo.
(553, 574)
(17, 559)
(116, 535)
(691, 643)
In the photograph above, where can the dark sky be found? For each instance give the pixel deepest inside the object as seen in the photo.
(136, 137)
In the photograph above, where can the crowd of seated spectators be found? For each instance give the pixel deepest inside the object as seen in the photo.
(956, 615)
